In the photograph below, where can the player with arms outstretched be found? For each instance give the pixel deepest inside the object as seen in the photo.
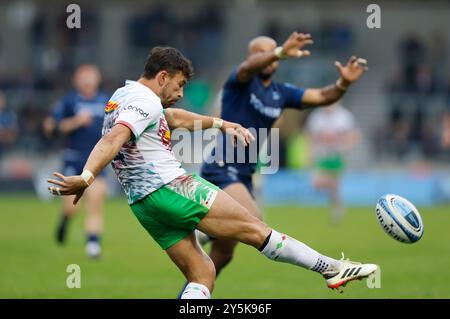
(251, 98)
(169, 203)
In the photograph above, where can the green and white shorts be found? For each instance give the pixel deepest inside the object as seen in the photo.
(172, 212)
(330, 164)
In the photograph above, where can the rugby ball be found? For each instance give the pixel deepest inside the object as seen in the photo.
(399, 218)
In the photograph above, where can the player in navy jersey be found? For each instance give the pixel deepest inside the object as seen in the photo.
(252, 99)
(79, 117)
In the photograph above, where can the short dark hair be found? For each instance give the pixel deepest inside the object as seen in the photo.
(168, 59)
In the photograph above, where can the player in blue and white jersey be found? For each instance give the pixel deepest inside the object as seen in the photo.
(79, 117)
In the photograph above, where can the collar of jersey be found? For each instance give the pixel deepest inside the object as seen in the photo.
(131, 82)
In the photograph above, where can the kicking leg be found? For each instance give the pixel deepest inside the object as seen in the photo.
(222, 250)
(230, 220)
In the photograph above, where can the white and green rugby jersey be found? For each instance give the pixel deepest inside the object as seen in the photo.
(146, 162)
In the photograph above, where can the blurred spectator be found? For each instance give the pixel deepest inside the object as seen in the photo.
(430, 137)
(438, 58)
(395, 82)
(399, 130)
(411, 55)
(199, 36)
(417, 128)
(424, 80)
(38, 30)
(335, 36)
(445, 137)
(448, 94)
(86, 36)
(151, 28)
(445, 140)
(415, 89)
(8, 126)
(209, 23)
(30, 119)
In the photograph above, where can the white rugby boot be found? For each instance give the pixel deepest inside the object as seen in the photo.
(348, 271)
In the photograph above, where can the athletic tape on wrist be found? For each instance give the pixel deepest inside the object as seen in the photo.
(88, 177)
(340, 86)
(279, 53)
(217, 123)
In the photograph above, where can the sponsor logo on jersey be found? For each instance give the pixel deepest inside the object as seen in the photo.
(269, 111)
(137, 110)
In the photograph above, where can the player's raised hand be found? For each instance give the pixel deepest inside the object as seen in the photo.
(292, 47)
(238, 133)
(353, 70)
(67, 185)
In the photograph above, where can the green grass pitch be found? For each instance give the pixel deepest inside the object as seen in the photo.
(133, 266)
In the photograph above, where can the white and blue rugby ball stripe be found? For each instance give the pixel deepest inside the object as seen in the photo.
(399, 218)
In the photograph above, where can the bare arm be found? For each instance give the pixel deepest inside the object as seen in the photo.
(254, 64)
(327, 95)
(179, 118)
(321, 97)
(257, 62)
(102, 154)
(107, 148)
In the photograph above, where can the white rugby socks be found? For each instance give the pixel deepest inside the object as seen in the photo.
(283, 248)
(195, 291)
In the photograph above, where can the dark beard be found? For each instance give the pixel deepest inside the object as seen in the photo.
(264, 76)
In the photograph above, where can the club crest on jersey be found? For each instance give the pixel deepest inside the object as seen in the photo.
(275, 95)
(111, 106)
(164, 133)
